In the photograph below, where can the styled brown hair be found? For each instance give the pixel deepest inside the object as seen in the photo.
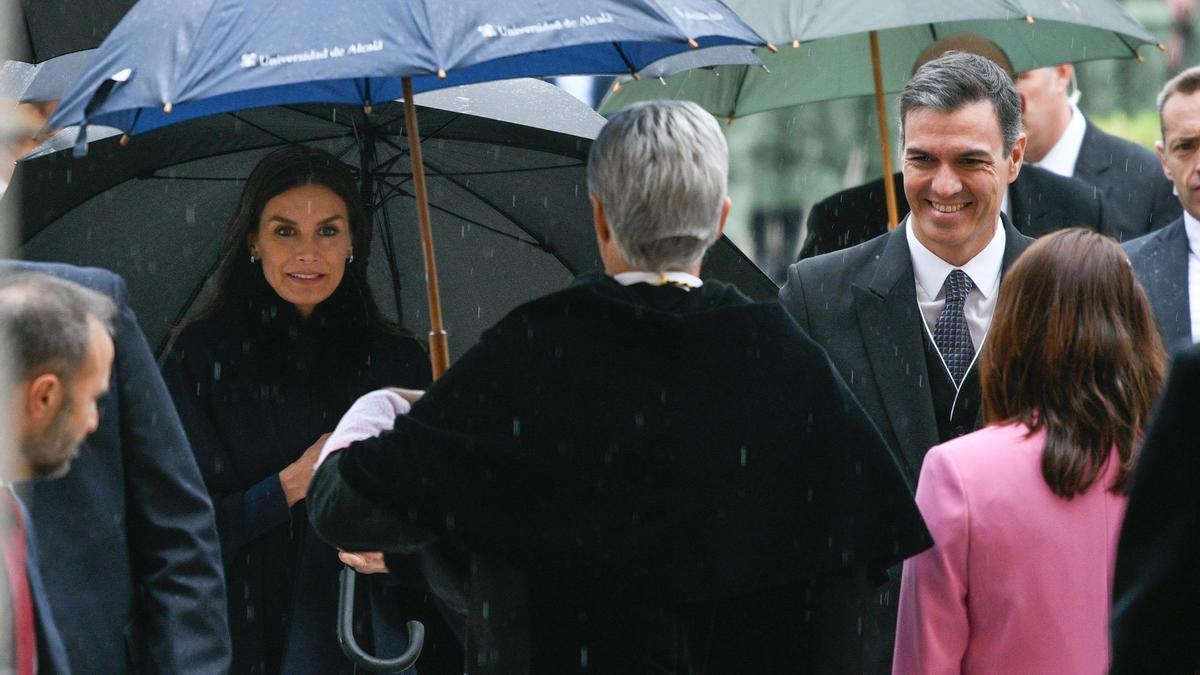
(1073, 349)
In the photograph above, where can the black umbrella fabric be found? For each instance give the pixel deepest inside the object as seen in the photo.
(45, 29)
(508, 198)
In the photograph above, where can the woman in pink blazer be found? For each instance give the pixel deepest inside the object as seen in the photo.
(1025, 512)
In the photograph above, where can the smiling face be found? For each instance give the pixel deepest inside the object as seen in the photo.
(955, 175)
(1179, 151)
(303, 239)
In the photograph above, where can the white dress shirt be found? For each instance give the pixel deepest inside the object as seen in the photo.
(930, 272)
(1062, 157)
(1193, 234)
(659, 279)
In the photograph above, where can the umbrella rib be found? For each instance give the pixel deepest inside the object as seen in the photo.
(438, 172)
(300, 111)
(196, 290)
(398, 191)
(272, 134)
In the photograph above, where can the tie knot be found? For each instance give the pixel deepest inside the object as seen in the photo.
(957, 286)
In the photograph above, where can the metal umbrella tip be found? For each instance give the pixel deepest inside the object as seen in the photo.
(729, 121)
(795, 44)
(1139, 58)
(167, 107)
(441, 73)
(367, 108)
(1161, 47)
(772, 48)
(616, 87)
(124, 140)
(1029, 19)
(693, 44)
(635, 75)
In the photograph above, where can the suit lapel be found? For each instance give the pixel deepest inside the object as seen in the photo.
(1015, 244)
(51, 652)
(1094, 156)
(1167, 278)
(1027, 203)
(890, 322)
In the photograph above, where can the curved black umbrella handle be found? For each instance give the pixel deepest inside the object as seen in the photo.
(345, 631)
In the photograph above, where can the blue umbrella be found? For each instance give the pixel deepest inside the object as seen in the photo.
(168, 61)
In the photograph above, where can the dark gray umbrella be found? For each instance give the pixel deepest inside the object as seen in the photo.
(507, 186)
(45, 29)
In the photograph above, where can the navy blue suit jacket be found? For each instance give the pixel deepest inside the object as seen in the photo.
(51, 654)
(1160, 260)
(132, 566)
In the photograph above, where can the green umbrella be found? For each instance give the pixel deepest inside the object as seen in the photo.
(842, 48)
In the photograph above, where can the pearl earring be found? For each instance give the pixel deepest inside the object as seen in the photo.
(253, 259)
(350, 259)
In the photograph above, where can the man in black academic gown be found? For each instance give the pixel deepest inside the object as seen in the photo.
(904, 315)
(678, 475)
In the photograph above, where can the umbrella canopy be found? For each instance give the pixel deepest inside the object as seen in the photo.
(171, 60)
(46, 29)
(507, 187)
(831, 55)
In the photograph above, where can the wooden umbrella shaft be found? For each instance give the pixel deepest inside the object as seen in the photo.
(439, 349)
(885, 143)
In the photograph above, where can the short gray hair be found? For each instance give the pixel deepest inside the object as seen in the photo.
(956, 79)
(44, 322)
(659, 170)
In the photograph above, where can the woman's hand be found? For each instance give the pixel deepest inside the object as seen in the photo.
(296, 476)
(364, 562)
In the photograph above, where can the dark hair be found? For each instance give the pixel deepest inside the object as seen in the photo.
(1073, 349)
(291, 167)
(44, 323)
(956, 79)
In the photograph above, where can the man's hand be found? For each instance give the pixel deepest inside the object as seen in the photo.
(364, 562)
(295, 477)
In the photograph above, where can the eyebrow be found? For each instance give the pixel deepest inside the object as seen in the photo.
(969, 154)
(289, 221)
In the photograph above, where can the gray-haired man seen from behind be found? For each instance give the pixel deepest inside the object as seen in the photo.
(57, 337)
(903, 316)
(678, 474)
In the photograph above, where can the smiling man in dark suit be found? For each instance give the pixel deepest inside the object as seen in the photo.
(1167, 262)
(904, 315)
(1037, 202)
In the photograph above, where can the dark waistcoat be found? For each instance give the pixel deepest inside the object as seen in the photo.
(957, 410)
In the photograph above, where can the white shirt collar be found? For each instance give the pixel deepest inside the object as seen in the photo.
(930, 271)
(1192, 226)
(1062, 157)
(658, 279)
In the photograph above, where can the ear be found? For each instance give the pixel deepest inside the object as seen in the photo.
(43, 396)
(728, 204)
(603, 234)
(1161, 150)
(1017, 156)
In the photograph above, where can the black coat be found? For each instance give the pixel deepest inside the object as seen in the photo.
(1131, 179)
(255, 386)
(1160, 260)
(1155, 596)
(681, 478)
(1040, 201)
(128, 549)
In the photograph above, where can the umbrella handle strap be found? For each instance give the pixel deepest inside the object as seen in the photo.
(349, 644)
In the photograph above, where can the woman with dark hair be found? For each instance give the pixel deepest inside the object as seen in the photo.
(1025, 512)
(291, 338)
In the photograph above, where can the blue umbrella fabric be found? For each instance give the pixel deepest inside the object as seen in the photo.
(171, 60)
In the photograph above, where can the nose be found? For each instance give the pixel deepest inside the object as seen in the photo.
(306, 249)
(946, 182)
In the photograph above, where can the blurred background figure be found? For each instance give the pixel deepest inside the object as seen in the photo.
(1168, 261)
(291, 337)
(57, 340)
(1155, 596)
(1069, 372)
(1063, 141)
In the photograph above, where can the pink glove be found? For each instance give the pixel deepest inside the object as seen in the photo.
(371, 415)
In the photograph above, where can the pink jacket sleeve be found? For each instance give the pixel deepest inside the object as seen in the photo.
(932, 631)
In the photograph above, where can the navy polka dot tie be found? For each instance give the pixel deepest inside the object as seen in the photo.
(950, 333)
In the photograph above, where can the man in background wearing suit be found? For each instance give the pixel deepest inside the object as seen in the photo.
(1167, 261)
(1037, 202)
(58, 336)
(127, 540)
(1063, 141)
(904, 315)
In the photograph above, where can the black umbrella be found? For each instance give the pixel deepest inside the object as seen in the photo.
(507, 189)
(45, 29)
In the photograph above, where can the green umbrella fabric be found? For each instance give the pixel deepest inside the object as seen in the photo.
(833, 57)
